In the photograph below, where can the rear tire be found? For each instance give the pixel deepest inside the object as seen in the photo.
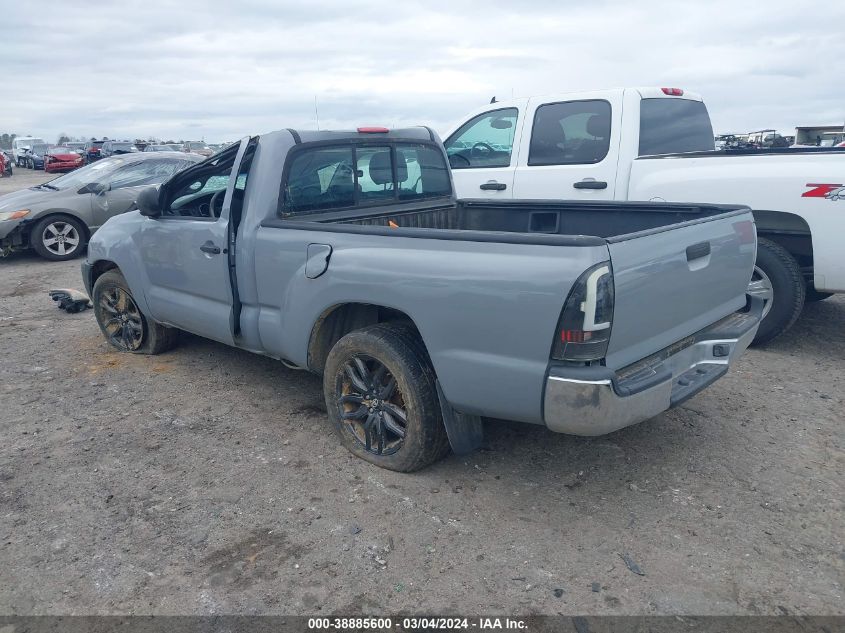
(365, 411)
(121, 321)
(788, 289)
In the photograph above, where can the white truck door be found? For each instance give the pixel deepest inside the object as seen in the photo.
(481, 152)
(570, 148)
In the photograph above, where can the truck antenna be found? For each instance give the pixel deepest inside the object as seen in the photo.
(316, 112)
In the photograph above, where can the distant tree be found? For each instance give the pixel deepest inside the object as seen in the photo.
(6, 140)
(93, 139)
(63, 138)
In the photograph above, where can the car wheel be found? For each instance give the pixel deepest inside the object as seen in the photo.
(777, 279)
(58, 238)
(381, 397)
(121, 321)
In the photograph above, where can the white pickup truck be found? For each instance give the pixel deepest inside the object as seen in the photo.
(656, 144)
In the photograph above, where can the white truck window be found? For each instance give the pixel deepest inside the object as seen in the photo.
(674, 126)
(570, 133)
(484, 141)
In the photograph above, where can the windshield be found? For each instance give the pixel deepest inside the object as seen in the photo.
(29, 142)
(121, 145)
(39, 148)
(60, 150)
(192, 145)
(95, 172)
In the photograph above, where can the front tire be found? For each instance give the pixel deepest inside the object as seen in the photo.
(58, 238)
(121, 321)
(778, 280)
(381, 396)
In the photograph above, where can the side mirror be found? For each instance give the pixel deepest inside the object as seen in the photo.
(148, 202)
(94, 187)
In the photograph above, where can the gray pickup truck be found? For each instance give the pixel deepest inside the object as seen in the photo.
(346, 253)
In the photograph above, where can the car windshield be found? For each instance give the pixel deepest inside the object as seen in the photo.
(193, 145)
(121, 145)
(96, 172)
(39, 148)
(60, 150)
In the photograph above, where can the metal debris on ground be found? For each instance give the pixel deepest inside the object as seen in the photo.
(632, 565)
(71, 300)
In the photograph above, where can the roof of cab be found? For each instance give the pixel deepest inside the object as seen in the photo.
(314, 136)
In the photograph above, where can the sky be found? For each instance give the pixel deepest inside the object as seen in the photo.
(221, 70)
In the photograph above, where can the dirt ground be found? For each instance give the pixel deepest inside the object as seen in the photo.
(207, 480)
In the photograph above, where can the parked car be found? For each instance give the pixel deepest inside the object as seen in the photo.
(61, 158)
(116, 148)
(57, 217)
(657, 144)
(21, 145)
(93, 151)
(176, 147)
(5, 165)
(34, 156)
(348, 254)
(197, 147)
(158, 148)
(76, 146)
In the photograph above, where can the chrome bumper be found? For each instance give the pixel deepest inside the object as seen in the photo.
(596, 400)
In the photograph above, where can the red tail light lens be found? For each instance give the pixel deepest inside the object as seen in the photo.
(673, 92)
(373, 130)
(584, 325)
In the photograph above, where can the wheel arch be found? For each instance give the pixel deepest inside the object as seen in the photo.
(341, 319)
(790, 231)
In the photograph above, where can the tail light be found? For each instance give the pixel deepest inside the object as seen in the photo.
(673, 92)
(583, 330)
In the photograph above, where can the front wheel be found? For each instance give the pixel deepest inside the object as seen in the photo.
(381, 397)
(777, 280)
(121, 321)
(58, 238)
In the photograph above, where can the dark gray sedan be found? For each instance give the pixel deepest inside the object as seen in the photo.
(57, 218)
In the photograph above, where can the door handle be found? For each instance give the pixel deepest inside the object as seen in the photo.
(697, 251)
(492, 185)
(590, 184)
(210, 248)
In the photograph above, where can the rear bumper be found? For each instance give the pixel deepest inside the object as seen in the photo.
(596, 400)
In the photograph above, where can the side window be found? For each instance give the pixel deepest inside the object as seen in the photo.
(483, 141)
(147, 172)
(570, 133)
(321, 178)
(199, 191)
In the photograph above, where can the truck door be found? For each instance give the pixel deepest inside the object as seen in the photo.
(185, 251)
(481, 153)
(572, 149)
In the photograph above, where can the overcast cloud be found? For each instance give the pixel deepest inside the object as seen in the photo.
(220, 70)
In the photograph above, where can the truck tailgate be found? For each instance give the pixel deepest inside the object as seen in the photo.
(674, 281)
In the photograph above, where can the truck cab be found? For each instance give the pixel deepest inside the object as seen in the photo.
(657, 144)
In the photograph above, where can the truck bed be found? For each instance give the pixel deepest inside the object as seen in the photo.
(610, 221)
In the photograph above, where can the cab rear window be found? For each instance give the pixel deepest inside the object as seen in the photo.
(674, 126)
(323, 178)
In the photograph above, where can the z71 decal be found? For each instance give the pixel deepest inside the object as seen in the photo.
(829, 191)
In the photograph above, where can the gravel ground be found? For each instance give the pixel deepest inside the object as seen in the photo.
(207, 480)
